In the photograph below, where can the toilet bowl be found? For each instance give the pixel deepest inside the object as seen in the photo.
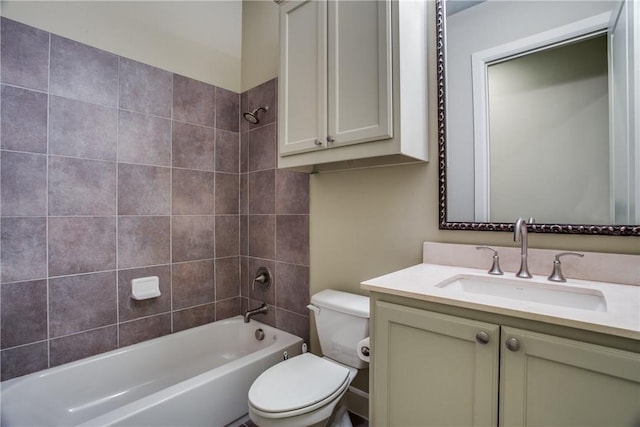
(301, 391)
(305, 390)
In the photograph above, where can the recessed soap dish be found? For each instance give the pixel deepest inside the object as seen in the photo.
(145, 288)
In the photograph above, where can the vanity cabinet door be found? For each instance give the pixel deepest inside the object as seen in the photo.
(431, 369)
(552, 381)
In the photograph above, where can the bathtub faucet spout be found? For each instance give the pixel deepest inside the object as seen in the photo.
(250, 313)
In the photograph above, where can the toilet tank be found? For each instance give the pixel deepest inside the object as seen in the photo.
(342, 320)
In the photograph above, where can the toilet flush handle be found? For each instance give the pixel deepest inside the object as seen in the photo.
(313, 308)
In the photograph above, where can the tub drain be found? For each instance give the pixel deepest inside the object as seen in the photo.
(259, 334)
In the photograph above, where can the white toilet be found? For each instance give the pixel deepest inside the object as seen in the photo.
(304, 390)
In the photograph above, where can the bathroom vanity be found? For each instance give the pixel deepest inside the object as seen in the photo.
(452, 345)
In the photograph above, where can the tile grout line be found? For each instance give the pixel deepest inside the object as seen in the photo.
(171, 308)
(46, 205)
(116, 212)
(215, 195)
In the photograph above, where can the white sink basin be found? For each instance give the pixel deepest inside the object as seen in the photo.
(524, 290)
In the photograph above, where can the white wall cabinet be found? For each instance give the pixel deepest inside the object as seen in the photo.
(434, 369)
(352, 76)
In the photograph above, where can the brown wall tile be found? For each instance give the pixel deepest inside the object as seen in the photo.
(81, 245)
(193, 238)
(24, 120)
(24, 249)
(24, 312)
(192, 317)
(81, 129)
(244, 152)
(144, 88)
(292, 239)
(227, 278)
(292, 192)
(82, 72)
(293, 323)
(262, 148)
(244, 235)
(227, 189)
(192, 192)
(194, 101)
(84, 344)
(144, 329)
(144, 139)
(81, 187)
(227, 151)
(143, 190)
(227, 108)
(262, 233)
(143, 241)
(25, 55)
(24, 184)
(24, 360)
(193, 146)
(227, 235)
(262, 188)
(293, 287)
(228, 308)
(81, 302)
(193, 283)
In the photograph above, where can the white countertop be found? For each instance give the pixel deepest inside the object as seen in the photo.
(621, 318)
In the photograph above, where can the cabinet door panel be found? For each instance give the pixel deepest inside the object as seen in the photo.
(553, 381)
(303, 76)
(429, 370)
(359, 61)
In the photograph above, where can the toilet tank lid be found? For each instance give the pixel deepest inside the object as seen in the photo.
(343, 302)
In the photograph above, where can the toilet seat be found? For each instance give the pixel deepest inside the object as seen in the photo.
(297, 386)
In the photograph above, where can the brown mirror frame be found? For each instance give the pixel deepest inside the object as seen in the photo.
(611, 230)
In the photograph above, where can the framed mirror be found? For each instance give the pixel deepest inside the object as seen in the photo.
(539, 115)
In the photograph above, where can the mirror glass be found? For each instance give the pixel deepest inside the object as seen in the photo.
(538, 104)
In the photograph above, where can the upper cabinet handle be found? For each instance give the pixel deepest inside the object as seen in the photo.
(330, 139)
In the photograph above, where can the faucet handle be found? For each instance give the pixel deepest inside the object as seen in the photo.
(556, 275)
(495, 267)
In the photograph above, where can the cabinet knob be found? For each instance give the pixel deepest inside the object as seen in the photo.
(330, 139)
(512, 344)
(317, 142)
(482, 337)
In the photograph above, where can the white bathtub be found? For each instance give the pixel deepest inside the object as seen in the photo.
(198, 377)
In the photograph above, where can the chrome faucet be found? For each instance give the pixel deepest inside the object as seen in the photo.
(263, 309)
(520, 235)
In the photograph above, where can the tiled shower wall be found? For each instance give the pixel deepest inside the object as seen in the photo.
(274, 220)
(111, 170)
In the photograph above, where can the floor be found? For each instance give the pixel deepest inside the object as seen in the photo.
(356, 420)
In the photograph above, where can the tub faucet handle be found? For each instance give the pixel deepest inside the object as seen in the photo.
(495, 267)
(556, 275)
(262, 278)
